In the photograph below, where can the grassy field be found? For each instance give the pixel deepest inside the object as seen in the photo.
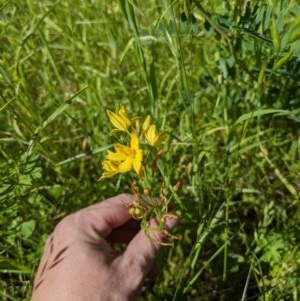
(222, 76)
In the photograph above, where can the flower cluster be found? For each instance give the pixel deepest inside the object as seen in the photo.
(130, 157)
(140, 154)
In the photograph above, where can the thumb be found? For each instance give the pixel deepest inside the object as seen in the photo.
(139, 256)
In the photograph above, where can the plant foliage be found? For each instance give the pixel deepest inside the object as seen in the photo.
(223, 78)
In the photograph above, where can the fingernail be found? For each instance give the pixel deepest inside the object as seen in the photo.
(171, 223)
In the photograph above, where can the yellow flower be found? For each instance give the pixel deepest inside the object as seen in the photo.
(120, 121)
(124, 159)
(153, 137)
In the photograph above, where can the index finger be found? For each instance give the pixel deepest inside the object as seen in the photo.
(106, 215)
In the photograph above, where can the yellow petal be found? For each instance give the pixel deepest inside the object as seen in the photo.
(159, 138)
(151, 135)
(139, 155)
(125, 165)
(116, 120)
(108, 174)
(118, 156)
(122, 110)
(134, 141)
(110, 165)
(137, 165)
(146, 123)
(121, 121)
(124, 116)
(153, 138)
(122, 150)
(111, 169)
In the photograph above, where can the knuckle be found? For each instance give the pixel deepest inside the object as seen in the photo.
(138, 266)
(65, 228)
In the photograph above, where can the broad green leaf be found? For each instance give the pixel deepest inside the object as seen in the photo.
(27, 229)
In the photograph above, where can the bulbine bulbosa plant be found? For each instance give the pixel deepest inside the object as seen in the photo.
(140, 155)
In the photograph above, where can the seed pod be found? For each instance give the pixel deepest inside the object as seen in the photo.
(137, 212)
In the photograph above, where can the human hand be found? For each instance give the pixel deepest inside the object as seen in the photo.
(80, 264)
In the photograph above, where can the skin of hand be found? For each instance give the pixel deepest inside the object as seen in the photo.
(79, 262)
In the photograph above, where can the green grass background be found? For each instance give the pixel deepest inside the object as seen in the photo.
(222, 76)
